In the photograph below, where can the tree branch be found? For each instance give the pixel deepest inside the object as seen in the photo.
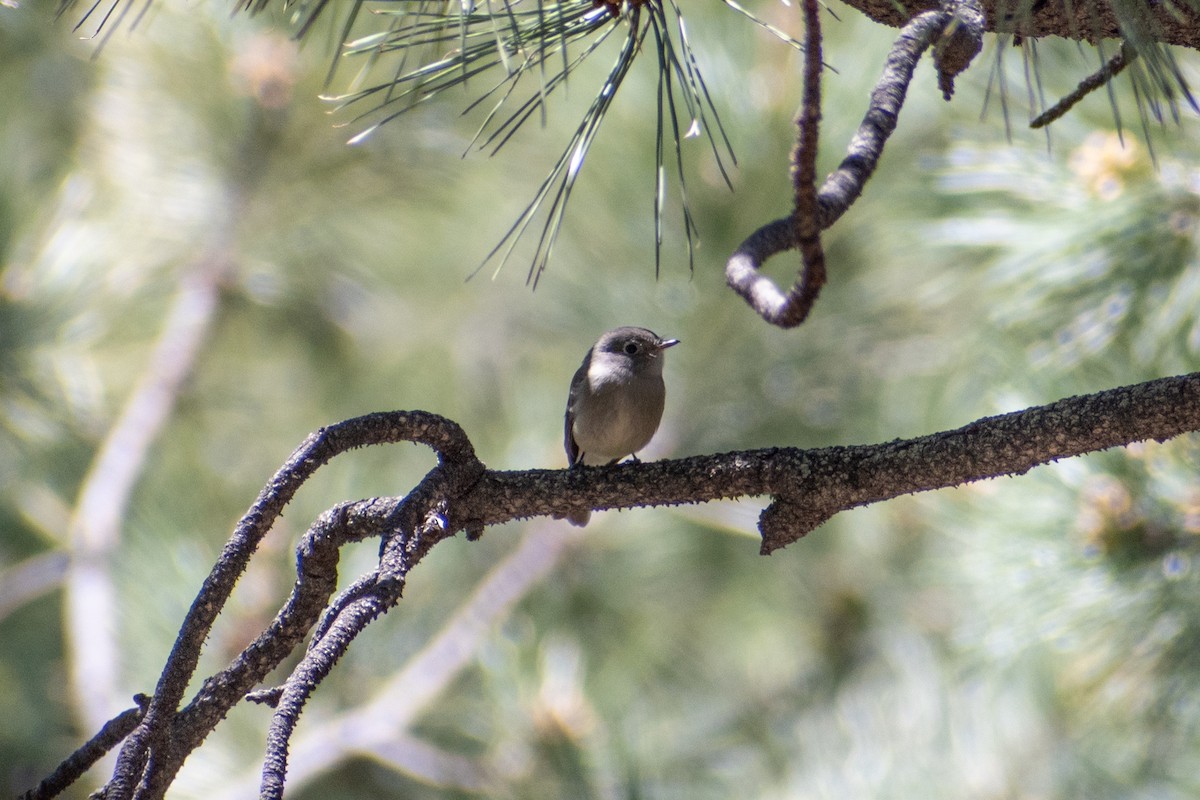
(1111, 69)
(158, 734)
(1172, 23)
(810, 486)
(806, 227)
(961, 24)
(807, 488)
(73, 767)
(31, 578)
(1169, 23)
(422, 523)
(384, 719)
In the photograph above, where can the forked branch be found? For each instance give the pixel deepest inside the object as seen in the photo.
(807, 488)
(156, 749)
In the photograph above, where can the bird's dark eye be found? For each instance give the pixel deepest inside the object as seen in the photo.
(632, 348)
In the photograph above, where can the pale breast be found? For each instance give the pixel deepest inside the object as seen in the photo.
(619, 420)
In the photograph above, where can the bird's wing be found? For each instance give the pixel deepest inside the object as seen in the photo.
(574, 456)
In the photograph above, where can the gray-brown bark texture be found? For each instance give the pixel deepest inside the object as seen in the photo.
(807, 488)
(1167, 22)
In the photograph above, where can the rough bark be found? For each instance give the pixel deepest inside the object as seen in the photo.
(807, 488)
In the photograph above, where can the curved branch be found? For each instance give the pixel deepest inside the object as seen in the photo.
(153, 753)
(383, 721)
(805, 214)
(845, 184)
(304, 679)
(807, 488)
(421, 517)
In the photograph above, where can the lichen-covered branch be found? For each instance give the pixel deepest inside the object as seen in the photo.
(1168, 23)
(111, 734)
(384, 720)
(155, 750)
(806, 226)
(807, 488)
(417, 523)
(961, 21)
(810, 486)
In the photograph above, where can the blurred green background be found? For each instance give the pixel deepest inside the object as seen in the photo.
(1029, 637)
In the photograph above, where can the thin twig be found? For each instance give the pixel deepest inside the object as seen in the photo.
(75, 765)
(1112, 68)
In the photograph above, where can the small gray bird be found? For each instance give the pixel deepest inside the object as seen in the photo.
(616, 400)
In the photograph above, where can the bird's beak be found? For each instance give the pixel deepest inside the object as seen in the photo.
(665, 343)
